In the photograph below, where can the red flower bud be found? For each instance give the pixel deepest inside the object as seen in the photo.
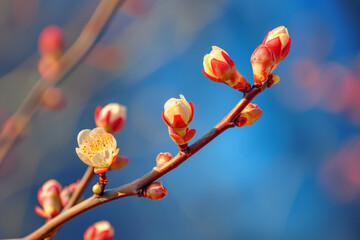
(51, 41)
(219, 67)
(155, 191)
(279, 41)
(262, 61)
(67, 192)
(163, 158)
(101, 230)
(49, 199)
(249, 115)
(112, 117)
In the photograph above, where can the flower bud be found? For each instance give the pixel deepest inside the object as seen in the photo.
(279, 41)
(163, 158)
(155, 191)
(51, 41)
(120, 162)
(53, 99)
(178, 113)
(112, 117)
(262, 61)
(67, 192)
(249, 115)
(219, 67)
(49, 199)
(101, 230)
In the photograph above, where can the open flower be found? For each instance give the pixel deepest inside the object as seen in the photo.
(101, 230)
(219, 67)
(112, 117)
(97, 148)
(49, 199)
(279, 41)
(249, 115)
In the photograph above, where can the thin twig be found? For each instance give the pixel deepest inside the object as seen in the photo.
(71, 58)
(132, 189)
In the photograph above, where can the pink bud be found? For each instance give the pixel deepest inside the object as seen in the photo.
(101, 230)
(67, 192)
(49, 199)
(53, 99)
(163, 158)
(155, 191)
(178, 113)
(262, 61)
(279, 41)
(219, 67)
(51, 41)
(249, 115)
(112, 117)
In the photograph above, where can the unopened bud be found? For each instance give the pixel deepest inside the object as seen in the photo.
(49, 199)
(262, 61)
(178, 113)
(51, 41)
(112, 117)
(101, 230)
(279, 41)
(219, 67)
(67, 193)
(249, 115)
(155, 191)
(163, 158)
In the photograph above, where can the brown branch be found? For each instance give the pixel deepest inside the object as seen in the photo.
(71, 58)
(133, 188)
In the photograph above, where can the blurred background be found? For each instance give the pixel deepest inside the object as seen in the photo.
(294, 174)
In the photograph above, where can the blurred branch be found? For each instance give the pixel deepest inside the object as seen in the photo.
(71, 58)
(137, 187)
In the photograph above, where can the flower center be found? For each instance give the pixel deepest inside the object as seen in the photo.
(95, 144)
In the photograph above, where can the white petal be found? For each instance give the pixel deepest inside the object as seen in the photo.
(82, 136)
(83, 157)
(97, 131)
(99, 159)
(116, 152)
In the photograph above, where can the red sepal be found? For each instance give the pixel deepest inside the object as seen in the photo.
(219, 67)
(228, 59)
(286, 49)
(97, 113)
(275, 46)
(117, 125)
(210, 77)
(178, 122)
(192, 111)
(263, 43)
(189, 135)
(39, 211)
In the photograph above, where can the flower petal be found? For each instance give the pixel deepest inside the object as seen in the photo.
(82, 136)
(83, 157)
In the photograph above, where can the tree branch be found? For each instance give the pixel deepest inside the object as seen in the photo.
(133, 188)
